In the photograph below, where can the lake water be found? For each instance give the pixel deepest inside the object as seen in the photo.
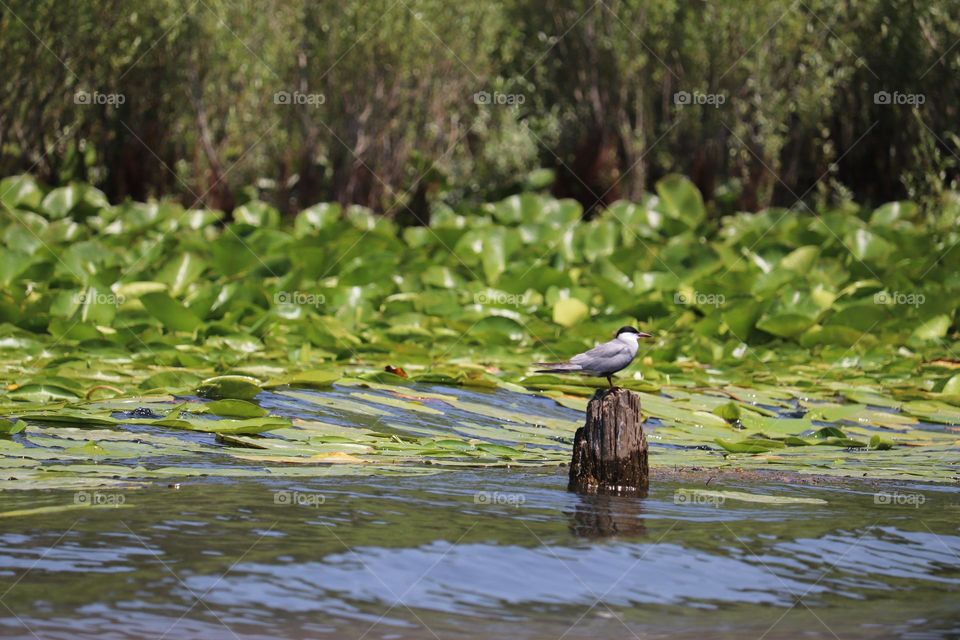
(475, 553)
(481, 554)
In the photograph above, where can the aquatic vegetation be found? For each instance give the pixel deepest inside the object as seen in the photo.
(337, 343)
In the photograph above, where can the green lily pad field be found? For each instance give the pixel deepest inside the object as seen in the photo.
(145, 342)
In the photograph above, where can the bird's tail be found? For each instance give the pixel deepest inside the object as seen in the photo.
(556, 367)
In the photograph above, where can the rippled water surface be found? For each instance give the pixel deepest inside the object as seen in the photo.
(477, 553)
(496, 553)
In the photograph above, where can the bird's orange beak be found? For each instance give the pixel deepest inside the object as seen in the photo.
(641, 334)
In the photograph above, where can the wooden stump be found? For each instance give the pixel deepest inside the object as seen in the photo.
(610, 450)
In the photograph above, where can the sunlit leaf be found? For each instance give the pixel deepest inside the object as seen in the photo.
(569, 311)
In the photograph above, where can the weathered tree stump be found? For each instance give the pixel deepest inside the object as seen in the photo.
(610, 450)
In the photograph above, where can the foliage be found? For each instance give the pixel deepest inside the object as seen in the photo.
(780, 336)
(522, 271)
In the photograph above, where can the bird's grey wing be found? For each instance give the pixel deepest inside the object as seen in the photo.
(603, 355)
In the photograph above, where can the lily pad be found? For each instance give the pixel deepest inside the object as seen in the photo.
(229, 387)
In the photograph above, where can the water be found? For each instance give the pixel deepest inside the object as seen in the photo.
(475, 553)
(496, 553)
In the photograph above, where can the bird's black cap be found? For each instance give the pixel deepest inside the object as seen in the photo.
(641, 334)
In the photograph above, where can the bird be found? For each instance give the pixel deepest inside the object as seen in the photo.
(604, 359)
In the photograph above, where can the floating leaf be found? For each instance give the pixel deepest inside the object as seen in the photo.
(226, 426)
(828, 432)
(315, 378)
(500, 450)
(696, 496)
(336, 457)
(235, 387)
(729, 411)
(10, 427)
(236, 409)
(745, 446)
(42, 393)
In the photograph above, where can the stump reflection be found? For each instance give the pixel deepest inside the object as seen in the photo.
(601, 516)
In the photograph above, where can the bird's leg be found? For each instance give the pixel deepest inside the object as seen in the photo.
(610, 381)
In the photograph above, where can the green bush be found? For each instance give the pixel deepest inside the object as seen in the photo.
(586, 89)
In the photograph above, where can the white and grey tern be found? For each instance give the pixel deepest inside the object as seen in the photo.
(604, 359)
